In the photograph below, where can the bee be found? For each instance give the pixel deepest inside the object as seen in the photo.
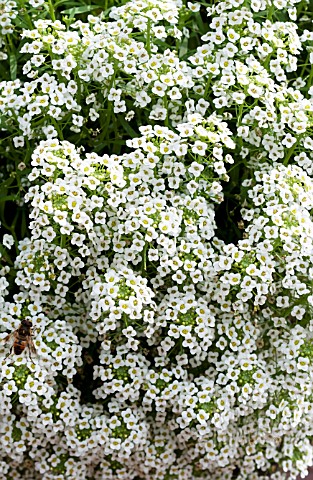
(22, 339)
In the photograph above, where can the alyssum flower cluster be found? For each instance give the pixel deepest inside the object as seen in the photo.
(161, 156)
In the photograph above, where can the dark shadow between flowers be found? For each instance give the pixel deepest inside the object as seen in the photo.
(227, 214)
(83, 380)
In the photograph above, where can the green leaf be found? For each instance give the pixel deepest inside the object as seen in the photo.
(98, 147)
(183, 49)
(201, 26)
(60, 2)
(77, 10)
(13, 66)
(21, 22)
(4, 254)
(5, 184)
(23, 225)
(8, 197)
(127, 127)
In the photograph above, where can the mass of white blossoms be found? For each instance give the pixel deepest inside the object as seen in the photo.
(156, 192)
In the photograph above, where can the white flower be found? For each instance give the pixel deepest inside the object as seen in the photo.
(8, 240)
(196, 168)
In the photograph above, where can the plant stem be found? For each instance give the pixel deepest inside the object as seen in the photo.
(207, 86)
(51, 10)
(144, 258)
(290, 152)
(148, 37)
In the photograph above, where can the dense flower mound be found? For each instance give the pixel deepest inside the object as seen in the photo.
(156, 230)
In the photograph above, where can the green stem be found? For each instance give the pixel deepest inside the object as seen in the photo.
(300, 8)
(125, 319)
(207, 86)
(165, 103)
(51, 10)
(24, 14)
(105, 129)
(309, 81)
(290, 152)
(305, 65)
(271, 12)
(148, 37)
(63, 241)
(58, 129)
(10, 42)
(267, 60)
(108, 119)
(79, 89)
(116, 147)
(144, 258)
(239, 116)
(29, 20)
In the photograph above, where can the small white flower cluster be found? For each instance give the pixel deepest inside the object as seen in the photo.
(119, 298)
(102, 52)
(250, 61)
(140, 15)
(274, 258)
(8, 9)
(94, 205)
(163, 351)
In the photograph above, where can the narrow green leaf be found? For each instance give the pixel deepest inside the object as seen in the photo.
(202, 28)
(20, 22)
(77, 10)
(183, 49)
(127, 127)
(23, 225)
(7, 197)
(5, 184)
(60, 2)
(3, 122)
(4, 254)
(13, 66)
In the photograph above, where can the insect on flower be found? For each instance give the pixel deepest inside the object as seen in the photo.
(22, 339)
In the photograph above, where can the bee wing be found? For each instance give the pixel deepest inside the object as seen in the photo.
(8, 337)
(31, 345)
